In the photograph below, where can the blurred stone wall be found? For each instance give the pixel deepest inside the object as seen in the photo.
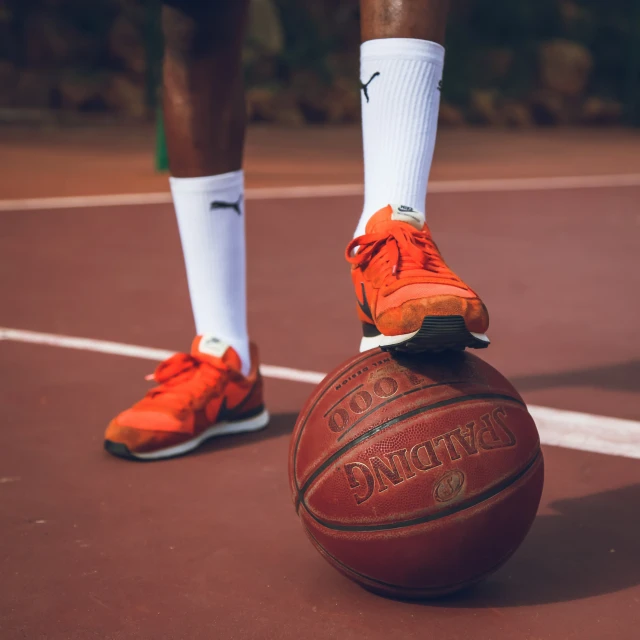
(509, 62)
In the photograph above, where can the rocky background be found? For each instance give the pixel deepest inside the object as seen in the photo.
(513, 63)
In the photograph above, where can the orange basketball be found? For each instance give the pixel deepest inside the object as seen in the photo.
(415, 476)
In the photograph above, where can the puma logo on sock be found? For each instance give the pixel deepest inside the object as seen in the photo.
(365, 87)
(220, 204)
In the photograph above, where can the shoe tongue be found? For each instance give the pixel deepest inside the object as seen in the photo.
(395, 213)
(214, 350)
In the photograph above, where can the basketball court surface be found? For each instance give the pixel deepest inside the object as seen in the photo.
(209, 546)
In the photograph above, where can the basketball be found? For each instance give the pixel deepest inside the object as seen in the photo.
(415, 476)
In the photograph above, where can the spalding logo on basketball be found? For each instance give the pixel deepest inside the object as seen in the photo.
(396, 460)
(449, 486)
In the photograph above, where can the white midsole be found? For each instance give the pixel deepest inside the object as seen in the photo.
(254, 423)
(381, 340)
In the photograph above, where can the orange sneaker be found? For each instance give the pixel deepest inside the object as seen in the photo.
(199, 396)
(408, 299)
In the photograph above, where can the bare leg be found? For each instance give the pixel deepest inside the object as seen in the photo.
(422, 19)
(203, 93)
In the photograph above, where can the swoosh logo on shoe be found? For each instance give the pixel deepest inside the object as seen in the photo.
(227, 413)
(364, 305)
(223, 413)
(236, 413)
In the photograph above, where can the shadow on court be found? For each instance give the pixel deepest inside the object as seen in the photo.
(280, 424)
(589, 548)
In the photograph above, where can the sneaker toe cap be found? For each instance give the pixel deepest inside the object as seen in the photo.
(146, 431)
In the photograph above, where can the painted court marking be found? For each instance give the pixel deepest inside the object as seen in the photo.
(569, 429)
(143, 353)
(332, 191)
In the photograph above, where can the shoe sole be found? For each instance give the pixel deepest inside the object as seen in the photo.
(255, 423)
(437, 333)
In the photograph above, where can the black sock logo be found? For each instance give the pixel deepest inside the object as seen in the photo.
(365, 87)
(220, 204)
(440, 85)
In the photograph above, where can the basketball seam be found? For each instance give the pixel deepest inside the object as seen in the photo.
(349, 570)
(319, 393)
(395, 398)
(400, 590)
(462, 506)
(369, 434)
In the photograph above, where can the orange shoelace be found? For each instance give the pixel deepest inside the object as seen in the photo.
(401, 251)
(183, 380)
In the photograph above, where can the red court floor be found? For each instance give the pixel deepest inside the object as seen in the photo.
(208, 546)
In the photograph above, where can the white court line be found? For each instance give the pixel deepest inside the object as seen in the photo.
(569, 429)
(332, 191)
(144, 353)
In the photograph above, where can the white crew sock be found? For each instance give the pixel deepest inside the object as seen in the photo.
(400, 80)
(210, 213)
